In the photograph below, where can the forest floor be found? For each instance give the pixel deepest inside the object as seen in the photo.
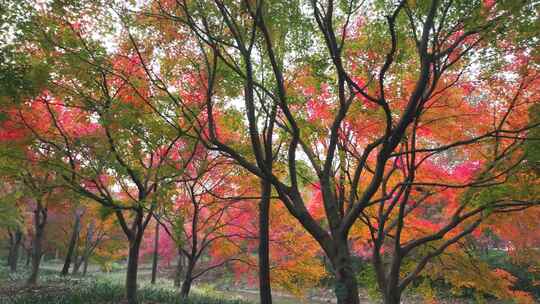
(100, 288)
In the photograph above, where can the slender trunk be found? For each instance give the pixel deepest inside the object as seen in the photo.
(77, 257)
(77, 262)
(188, 279)
(134, 233)
(88, 244)
(265, 290)
(192, 257)
(133, 267)
(28, 256)
(155, 255)
(16, 249)
(186, 287)
(36, 260)
(346, 288)
(72, 243)
(387, 274)
(85, 265)
(15, 244)
(40, 219)
(179, 268)
(11, 242)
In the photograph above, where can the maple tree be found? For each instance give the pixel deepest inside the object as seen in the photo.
(12, 220)
(295, 259)
(78, 213)
(75, 231)
(98, 230)
(205, 217)
(32, 189)
(93, 150)
(390, 130)
(42, 195)
(136, 200)
(369, 122)
(106, 149)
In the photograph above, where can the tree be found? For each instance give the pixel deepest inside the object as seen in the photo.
(414, 121)
(78, 213)
(38, 184)
(296, 262)
(106, 143)
(203, 221)
(12, 220)
(21, 163)
(141, 175)
(362, 118)
(117, 161)
(97, 229)
(155, 254)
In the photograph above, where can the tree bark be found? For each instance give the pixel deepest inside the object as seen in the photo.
(265, 290)
(193, 255)
(179, 268)
(28, 256)
(10, 246)
(85, 265)
(155, 255)
(40, 220)
(188, 279)
(88, 247)
(132, 268)
(77, 262)
(14, 247)
(72, 243)
(392, 297)
(134, 233)
(346, 288)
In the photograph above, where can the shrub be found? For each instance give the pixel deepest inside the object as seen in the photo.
(101, 290)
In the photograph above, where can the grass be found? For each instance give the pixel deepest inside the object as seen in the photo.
(96, 289)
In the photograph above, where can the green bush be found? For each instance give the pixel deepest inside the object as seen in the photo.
(100, 290)
(367, 279)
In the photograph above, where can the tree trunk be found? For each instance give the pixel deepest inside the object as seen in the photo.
(15, 244)
(11, 242)
(188, 279)
(392, 296)
(77, 262)
(155, 255)
(134, 233)
(40, 219)
(72, 243)
(132, 267)
(35, 261)
(186, 287)
(28, 256)
(85, 265)
(77, 257)
(192, 257)
(265, 290)
(179, 268)
(346, 288)
(15, 250)
(88, 244)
